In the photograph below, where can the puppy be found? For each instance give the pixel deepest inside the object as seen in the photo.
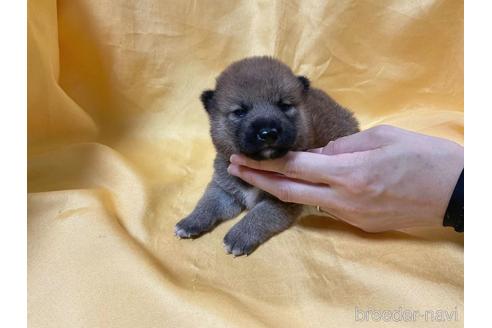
(259, 108)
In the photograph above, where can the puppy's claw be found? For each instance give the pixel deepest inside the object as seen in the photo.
(181, 233)
(227, 248)
(236, 252)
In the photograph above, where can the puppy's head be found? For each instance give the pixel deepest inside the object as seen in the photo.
(255, 108)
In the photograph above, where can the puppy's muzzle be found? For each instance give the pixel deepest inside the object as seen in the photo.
(267, 137)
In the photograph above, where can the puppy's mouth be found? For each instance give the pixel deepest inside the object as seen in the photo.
(268, 153)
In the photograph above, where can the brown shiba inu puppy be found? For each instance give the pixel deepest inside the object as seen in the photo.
(259, 108)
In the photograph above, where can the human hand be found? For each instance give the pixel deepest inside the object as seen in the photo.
(380, 179)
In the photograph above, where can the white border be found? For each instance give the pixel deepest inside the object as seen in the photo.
(13, 247)
(478, 145)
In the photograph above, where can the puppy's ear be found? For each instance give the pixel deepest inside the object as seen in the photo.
(207, 98)
(305, 81)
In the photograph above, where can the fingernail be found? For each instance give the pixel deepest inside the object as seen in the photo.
(235, 159)
(233, 169)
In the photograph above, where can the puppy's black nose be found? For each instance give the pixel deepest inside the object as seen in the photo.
(268, 135)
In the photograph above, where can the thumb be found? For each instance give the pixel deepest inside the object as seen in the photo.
(369, 139)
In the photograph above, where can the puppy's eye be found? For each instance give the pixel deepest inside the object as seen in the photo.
(240, 112)
(284, 105)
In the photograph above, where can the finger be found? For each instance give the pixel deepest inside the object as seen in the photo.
(369, 139)
(316, 150)
(311, 167)
(286, 189)
(330, 213)
(339, 214)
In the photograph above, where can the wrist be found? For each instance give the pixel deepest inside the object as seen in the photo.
(453, 192)
(454, 216)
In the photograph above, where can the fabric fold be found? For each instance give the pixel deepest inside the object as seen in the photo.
(119, 151)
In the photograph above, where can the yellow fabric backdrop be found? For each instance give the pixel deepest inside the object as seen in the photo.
(119, 151)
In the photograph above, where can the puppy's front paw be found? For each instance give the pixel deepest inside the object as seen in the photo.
(241, 240)
(192, 226)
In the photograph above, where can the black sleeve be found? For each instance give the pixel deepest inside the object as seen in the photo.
(454, 216)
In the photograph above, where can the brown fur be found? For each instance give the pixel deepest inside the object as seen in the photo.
(254, 95)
